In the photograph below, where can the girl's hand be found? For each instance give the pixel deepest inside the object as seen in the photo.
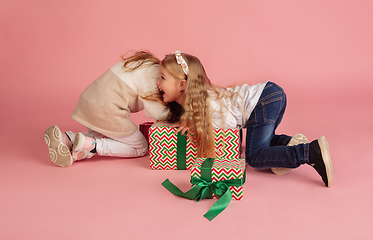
(180, 128)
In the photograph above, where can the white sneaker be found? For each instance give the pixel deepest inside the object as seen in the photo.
(295, 140)
(82, 147)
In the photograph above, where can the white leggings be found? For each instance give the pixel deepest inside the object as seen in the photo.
(134, 145)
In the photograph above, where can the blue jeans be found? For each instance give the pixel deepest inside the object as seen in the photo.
(265, 149)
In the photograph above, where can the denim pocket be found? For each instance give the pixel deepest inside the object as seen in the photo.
(272, 107)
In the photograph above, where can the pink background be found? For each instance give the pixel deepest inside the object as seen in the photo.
(319, 51)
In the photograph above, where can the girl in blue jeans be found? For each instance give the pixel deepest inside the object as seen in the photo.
(258, 108)
(265, 149)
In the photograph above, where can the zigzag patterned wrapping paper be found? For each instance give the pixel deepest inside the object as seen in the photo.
(163, 146)
(224, 169)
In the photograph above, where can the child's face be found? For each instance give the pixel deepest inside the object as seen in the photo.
(171, 87)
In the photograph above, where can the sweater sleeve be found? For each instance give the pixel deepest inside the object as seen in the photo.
(146, 82)
(143, 81)
(155, 110)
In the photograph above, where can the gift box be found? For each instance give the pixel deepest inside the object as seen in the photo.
(228, 143)
(222, 169)
(144, 129)
(169, 151)
(222, 179)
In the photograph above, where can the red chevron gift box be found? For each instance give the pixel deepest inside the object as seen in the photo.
(222, 169)
(167, 151)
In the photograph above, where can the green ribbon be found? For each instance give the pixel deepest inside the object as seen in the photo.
(204, 187)
(181, 152)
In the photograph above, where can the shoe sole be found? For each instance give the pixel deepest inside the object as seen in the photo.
(295, 140)
(325, 153)
(59, 153)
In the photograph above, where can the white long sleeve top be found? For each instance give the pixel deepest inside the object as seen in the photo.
(229, 112)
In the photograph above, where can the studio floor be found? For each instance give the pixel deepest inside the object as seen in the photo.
(114, 198)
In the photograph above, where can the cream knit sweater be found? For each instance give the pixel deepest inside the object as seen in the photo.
(106, 104)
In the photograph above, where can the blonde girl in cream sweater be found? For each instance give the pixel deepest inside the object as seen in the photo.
(104, 108)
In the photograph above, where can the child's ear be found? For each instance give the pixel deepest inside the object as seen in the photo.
(183, 84)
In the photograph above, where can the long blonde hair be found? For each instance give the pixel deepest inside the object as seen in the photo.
(196, 107)
(139, 59)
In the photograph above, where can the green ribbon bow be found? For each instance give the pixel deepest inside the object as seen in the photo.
(204, 187)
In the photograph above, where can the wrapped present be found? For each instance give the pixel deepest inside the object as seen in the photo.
(228, 143)
(167, 150)
(223, 179)
(222, 169)
(144, 129)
